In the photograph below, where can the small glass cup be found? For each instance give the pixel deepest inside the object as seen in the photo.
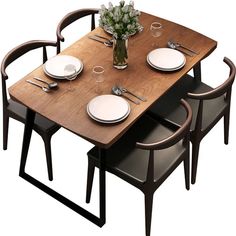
(156, 31)
(98, 75)
(70, 74)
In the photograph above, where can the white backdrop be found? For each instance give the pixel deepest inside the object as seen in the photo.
(209, 208)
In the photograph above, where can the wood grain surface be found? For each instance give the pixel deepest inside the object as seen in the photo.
(68, 109)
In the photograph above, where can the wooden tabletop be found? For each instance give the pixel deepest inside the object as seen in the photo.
(68, 109)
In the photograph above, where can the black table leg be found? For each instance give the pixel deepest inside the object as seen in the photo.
(100, 221)
(197, 71)
(30, 116)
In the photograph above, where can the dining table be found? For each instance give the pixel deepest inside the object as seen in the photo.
(69, 108)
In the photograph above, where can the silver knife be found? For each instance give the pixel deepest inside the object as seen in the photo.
(106, 43)
(124, 90)
(185, 52)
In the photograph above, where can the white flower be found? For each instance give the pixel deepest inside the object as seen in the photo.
(117, 26)
(125, 9)
(126, 18)
(110, 6)
(121, 20)
(122, 3)
(131, 3)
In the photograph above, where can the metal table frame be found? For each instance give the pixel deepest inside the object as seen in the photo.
(99, 221)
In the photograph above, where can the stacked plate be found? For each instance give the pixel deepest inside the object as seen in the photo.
(108, 109)
(166, 59)
(56, 66)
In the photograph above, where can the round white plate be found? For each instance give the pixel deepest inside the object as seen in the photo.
(162, 69)
(166, 59)
(55, 66)
(108, 121)
(63, 77)
(108, 108)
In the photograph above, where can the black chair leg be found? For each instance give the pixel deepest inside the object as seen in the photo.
(148, 212)
(195, 152)
(226, 127)
(5, 131)
(186, 172)
(47, 143)
(91, 168)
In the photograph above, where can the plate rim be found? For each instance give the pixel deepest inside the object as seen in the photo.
(107, 120)
(166, 69)
(62, 77)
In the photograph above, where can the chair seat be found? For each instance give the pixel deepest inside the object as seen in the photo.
(123, 158)
(18, 111)
(174, 114)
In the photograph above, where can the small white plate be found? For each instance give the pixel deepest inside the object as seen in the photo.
(108, 121)
(108, 108)
(63, 77)
(166, 59)
(164, 69)
(55, 66)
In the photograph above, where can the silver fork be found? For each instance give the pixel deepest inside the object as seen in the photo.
(124, 90)
(180, 45)
(102, 37)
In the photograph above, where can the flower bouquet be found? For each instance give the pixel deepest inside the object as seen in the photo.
(121, 21)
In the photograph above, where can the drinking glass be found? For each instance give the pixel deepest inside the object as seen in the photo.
(70, 74)
(98, 75)
(156, 31)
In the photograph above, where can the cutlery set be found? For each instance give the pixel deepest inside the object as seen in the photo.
(180, 48)
(118, 90)
(50, 85)
(170, 43)
(107, 43)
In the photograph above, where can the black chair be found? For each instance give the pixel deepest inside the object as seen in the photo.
(70, 18)
(44, 127)
(208, 105)
(144, 162)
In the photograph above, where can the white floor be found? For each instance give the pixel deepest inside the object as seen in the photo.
(209, 208)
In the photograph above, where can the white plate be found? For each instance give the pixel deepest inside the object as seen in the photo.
(108, 108)
(63, 77)
(54, 67)
(107, 121)
(166, 59)
(164, 69)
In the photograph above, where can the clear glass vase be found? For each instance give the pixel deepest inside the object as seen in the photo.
(120, 53)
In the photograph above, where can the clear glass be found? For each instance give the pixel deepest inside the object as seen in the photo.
(70, 74)
(120, 53)
(98, 75)
(156, 31)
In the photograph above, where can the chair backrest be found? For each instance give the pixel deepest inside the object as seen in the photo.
(223, 89)
(181, 134)
(18, 52)
(70, 18)
(220, 90)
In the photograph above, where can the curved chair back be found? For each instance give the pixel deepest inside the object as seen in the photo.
(181, 133)
(18, 52)
(223, 89)
(220, 90)
(70, 18)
